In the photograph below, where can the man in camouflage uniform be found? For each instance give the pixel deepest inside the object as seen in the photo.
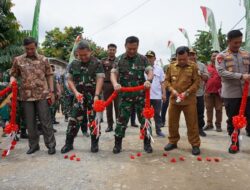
(85, 79)
(129, 72)
(67, 104)
(233, 65)
(54, 107)
(66, 99)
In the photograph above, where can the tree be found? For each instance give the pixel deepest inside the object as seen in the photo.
(59, 43)
(203, 44)
(11, 36)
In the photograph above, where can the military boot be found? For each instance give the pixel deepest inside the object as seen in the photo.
(68, 145)
(94, 144)
(23, 134)
(147, 145)
(118, 145)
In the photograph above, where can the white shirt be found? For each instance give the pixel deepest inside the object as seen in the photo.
(159, 77)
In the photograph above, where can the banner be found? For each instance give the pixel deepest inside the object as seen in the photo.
(35, 26)
(210, 21)
(184, 32)
(171, 46)
(247, 6)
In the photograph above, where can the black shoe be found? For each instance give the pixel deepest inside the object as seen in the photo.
(147, 145)
(16, 138)
(85, 134)
(202, 133)
(196, 150)
(23, 134)
(248, 134)
(118, 145)
(231, 151)
(134, 125)
(109, 129)
(94, 144)
(170, 147)
(51, 151)
(161, 134)
(66, 119)
(218, 129)
(33, 150)
(55, 122)
(208, 128)
(66, 148)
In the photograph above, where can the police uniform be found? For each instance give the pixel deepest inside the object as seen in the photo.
(108, 89)
(183, 79)
(130, 72)
(84, 76)
(231, 66)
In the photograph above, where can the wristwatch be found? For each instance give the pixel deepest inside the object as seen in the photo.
(97, 95)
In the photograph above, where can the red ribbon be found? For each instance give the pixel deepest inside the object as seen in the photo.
(5, 91)
(148, 111)
(100, 105)
(12, 127)
(240, 121)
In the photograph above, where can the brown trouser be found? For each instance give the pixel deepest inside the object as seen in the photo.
(190, 113)
(107, 91)
(41, 108)
(213, 101)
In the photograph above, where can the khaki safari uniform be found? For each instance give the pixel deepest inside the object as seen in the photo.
(183, 79)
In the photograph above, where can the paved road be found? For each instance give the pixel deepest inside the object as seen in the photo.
(106, 171)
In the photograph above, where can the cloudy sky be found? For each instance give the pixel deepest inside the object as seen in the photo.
(153, 21)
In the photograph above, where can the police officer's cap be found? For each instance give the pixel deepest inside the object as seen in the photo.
(150, 54)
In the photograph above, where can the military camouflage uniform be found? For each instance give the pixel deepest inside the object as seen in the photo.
(130, 73)
(55, 106)
(66, 99)
(84, 77)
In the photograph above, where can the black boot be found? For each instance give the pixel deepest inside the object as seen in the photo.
(33, 150)
(109, 129)
(147, 145)
(68, 145)
(94, 144)
(118, 145)
(23, 134)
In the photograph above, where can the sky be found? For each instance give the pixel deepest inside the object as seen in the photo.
(153, 21)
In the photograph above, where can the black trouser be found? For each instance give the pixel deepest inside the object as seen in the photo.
(165, 108)
(232, 106)
(40, 108)
(200, 111)
(108, 89)
(157, 117)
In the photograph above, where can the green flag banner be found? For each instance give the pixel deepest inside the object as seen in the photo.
(35, 26)
(184, 32)
(210, 21)
(171, 46)
(72, 55)
(247, 6)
